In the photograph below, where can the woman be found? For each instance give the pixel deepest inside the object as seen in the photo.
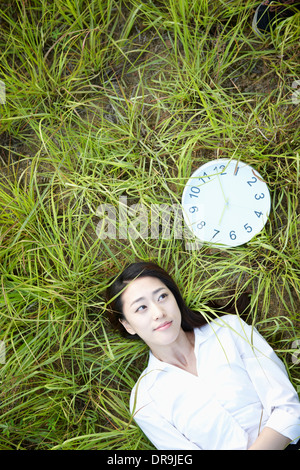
(208, 385)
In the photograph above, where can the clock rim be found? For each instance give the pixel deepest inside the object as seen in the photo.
(195, 174)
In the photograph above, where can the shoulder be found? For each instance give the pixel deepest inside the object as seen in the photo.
(226, 329)
(137, 393)
(231, 320)
(225, 323)
(245, 336)
(140, 393)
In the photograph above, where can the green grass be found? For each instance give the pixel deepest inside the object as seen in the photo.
(108, 99)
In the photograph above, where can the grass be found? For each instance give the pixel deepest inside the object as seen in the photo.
(107, 100)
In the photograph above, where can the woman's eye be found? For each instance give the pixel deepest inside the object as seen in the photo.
(140, 308)
(162, 296)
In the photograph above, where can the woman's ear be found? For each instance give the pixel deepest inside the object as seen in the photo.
(127, 326)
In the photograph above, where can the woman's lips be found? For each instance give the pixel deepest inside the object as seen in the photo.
(163, 326)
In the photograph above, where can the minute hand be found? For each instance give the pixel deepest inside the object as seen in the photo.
(222, 190)
(225, 199)
(223, 212)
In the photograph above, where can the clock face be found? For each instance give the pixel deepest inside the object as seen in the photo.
(226, 202)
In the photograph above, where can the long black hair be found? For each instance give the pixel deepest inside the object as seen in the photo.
(190, 319)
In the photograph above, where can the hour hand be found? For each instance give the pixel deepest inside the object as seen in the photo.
(222, 190)
(223, 212)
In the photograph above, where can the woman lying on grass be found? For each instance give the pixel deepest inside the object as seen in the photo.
(208, 385)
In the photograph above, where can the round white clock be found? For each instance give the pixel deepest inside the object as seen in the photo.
(226, 203)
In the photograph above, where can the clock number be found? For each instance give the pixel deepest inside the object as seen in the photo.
(258, 214)
(205, 175)
(252, 181)
(259, 196)
(223, 166)
(220, 167)
(193, 209)
(232, 235)
(201, 225)
(217, 231)
(248, 228)
(195, 190)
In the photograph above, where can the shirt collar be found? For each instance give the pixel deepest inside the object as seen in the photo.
(156, 367)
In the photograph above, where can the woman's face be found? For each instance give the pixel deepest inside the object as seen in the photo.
(151, 311)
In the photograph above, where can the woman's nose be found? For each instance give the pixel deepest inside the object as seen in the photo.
(157, 312)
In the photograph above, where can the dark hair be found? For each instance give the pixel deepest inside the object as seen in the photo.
(190, 319)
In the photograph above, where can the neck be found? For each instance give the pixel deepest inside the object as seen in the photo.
(180, 354)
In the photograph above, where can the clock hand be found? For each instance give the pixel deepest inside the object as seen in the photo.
(222, 190)
(223, 212)
(225, 199)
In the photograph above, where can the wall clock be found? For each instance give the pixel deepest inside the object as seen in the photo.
(226, 203)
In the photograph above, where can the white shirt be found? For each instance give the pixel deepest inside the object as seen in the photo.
(241, 387)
